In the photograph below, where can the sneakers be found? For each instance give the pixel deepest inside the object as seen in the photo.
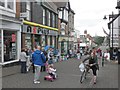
(36, 82)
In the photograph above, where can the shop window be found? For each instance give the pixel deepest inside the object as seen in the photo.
(37, 40)
(10, 45)
(46, 40)
(0, 47)
(50, 40)
(28, 41)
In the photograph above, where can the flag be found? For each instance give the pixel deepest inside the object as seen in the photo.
(105, 32)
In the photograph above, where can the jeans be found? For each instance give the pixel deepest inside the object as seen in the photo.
(23, 67)
(37, 73)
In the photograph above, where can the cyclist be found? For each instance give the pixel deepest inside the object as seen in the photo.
(93, 64)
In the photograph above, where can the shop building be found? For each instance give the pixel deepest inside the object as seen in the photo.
(65, 21)
(10, 33)
(71, 30)
(40, 24)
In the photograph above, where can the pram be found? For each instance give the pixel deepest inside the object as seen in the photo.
(52, 74)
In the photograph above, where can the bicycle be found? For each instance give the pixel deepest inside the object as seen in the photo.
(84, 71)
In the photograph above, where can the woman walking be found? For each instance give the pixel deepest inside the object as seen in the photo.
(23, 60)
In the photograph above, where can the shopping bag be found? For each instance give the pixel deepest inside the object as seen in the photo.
(81, 67)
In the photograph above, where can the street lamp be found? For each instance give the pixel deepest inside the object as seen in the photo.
(111, 16)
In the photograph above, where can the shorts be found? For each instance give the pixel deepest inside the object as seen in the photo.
(94, 69)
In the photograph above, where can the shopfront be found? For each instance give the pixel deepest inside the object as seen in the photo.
(37, 34)
(63, 43)
(10, 42)
(10, 45)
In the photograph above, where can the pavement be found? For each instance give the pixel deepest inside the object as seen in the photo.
(68, 77)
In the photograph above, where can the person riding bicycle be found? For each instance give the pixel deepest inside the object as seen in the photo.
(93, 64)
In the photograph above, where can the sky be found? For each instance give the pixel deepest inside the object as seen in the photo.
(89, 15)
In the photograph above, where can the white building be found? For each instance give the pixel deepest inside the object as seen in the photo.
(118, 4)
(10, 32)
(115, 34)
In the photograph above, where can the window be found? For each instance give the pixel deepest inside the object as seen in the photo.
(48, 18)
(43, 16)
(10, 4)
(28, 11)
(2, 3)
(10, 45)
(0, 47)
(65, 15)
(53, 19)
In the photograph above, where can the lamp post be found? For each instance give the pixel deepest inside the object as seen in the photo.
(112, 35)
(110, 16)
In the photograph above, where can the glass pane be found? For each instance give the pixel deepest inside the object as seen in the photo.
(2, 3)
(10, 45)
(28, 40)
(10, 5)
(0, 47)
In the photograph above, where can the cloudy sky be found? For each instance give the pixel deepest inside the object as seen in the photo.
(89, 15)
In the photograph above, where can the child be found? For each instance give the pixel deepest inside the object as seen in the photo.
(52, 71)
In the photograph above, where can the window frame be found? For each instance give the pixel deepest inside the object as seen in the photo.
(8, 9)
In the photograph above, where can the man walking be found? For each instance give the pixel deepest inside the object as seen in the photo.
(38, 60)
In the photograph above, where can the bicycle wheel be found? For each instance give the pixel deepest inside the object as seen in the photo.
(82, 77)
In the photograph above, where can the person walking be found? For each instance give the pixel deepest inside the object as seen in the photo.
(43, 68)
(78, 54)
(23, 60)
(38, 59)
(118, 56)
(93, 63)
(50, 56)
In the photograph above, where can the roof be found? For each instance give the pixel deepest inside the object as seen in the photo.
(60, 4)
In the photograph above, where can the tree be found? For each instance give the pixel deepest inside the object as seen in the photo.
(98, 40)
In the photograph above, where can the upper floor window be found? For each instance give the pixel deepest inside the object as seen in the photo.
(53, 19)
(43, 16)
(48, 18)
(65, 15)
(2, 3)
(10, 4)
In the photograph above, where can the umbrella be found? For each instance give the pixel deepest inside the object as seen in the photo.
(46, 48)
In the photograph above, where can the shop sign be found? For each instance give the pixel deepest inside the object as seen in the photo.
(13, 37)
(37, 30)
(34, 30)
(43, 31)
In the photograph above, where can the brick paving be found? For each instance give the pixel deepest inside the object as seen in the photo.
(68, 77)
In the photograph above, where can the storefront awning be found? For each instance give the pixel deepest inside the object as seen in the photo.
(39, 25)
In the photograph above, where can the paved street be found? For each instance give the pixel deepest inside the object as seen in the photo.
(68, 77)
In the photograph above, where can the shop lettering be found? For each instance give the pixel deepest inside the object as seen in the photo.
(43, 31)
(29, 29)
(37, 30)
